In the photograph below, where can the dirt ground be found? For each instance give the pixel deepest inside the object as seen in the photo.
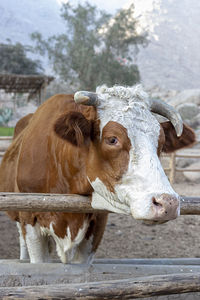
(127, 238)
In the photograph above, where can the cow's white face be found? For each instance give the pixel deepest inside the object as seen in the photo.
(143, 190)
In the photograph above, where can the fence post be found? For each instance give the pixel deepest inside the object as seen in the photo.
(172, 167)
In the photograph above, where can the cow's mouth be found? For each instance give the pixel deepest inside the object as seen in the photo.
(152, 223)
(106, 203)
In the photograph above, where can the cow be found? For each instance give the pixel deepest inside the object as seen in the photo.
(104, 144)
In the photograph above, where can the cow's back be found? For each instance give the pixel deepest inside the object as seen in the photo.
(22, 124)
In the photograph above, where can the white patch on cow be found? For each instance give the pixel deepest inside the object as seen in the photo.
(65, 247)
(123, 105)
(104, 199)
(143, 180)
(23, 247)
(145, 177)
(37, 244)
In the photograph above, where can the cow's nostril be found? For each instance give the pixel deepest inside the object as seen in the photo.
(156, 203)
(164, 207)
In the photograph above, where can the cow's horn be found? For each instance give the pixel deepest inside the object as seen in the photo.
(87, 98)
(166, 110)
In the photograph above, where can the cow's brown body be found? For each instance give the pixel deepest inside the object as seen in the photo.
(38, 161)
(45, 158)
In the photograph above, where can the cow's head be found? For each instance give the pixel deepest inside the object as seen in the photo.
(123, 166)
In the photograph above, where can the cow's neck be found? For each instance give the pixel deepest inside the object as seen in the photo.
(70, 170)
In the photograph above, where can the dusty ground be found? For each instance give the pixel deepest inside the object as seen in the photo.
(127, 238)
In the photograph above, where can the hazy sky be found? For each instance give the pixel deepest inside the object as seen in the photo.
(108, 5)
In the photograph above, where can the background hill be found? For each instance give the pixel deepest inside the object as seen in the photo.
(19, 18)
(172, 58)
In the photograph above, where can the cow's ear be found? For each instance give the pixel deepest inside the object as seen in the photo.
(74, 128)
(172, 142)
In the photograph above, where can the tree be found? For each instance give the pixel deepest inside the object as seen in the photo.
(14, 60)
(95, 48)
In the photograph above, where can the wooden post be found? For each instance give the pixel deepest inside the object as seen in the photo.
(15, 104)
(39, 97)
(71, 203)
(172, 166)
(44, 91)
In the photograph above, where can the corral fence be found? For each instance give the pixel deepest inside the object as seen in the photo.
(104, 279)
(187, 153)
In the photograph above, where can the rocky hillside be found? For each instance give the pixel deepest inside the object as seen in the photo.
(187, 102)
(172, 58)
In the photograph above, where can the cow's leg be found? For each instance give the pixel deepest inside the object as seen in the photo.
(82, 253)
(37, 244)
(22, 242)
(61, 246)
(65, 247)
(85, 251)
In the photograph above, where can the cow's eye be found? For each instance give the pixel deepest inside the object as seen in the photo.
(112, 140)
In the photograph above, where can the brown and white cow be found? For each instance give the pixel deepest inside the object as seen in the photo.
(104, 144)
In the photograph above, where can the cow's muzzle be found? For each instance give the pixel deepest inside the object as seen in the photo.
(157, 208)
(164, 207)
